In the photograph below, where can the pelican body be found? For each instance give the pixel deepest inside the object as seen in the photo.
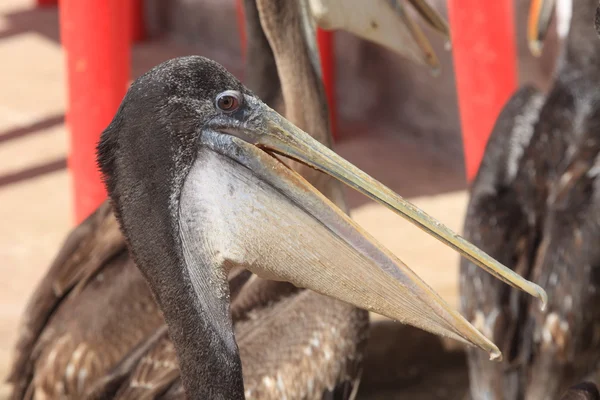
(535, 206)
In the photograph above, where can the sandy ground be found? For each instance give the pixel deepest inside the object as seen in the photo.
(35, 196)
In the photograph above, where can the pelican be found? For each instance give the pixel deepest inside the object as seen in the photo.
(93, 329)
(190, 164)
(534, 207)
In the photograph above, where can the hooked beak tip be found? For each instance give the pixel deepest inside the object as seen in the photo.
(540, 16)
(535, 47)
(543, 296)
(496, 356)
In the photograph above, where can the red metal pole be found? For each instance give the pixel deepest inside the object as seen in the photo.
(138, 29)
(326, 52)
(96, 37)
(45, 3)
(484, 48)
(241, 23)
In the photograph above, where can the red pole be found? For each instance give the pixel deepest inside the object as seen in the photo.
(325, 43)
(484, 48)
(96, 37)
(46, 3)
(241, 23)
(138, 29)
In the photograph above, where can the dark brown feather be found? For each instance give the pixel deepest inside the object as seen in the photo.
(582, 391)
(280, 357)
(93, 329)
(543, 222)
(85, 252)
(496, 223)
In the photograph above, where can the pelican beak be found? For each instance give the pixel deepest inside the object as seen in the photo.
(385, 22)
(540, 15)
(327, 251)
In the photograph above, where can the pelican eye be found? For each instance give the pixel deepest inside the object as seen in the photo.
(229, 101)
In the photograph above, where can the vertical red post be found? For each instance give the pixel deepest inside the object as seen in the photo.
(138, 29)
(96, 37)
(326, 52)
(45, 3)
(241, 23)
(484, 49)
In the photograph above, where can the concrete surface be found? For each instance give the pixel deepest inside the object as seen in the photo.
(35, 197)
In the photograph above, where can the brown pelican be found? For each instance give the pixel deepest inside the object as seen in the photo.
(92, 325)
(189, 162)
(534, 207)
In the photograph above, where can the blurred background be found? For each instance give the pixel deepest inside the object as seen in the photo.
(394, 120)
